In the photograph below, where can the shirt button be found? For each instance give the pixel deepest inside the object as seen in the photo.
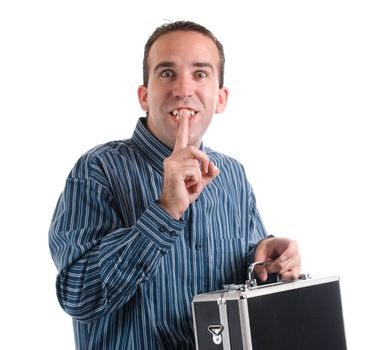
(162, 228)
(172, 233)
(198, 246)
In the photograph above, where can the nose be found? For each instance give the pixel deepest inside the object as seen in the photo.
(183, 87)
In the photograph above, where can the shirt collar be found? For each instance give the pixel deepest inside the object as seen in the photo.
(151, 148)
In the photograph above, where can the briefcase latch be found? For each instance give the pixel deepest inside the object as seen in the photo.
(216, 331)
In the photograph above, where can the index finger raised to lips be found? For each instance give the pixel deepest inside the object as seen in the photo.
(182, 138)
(182, 142)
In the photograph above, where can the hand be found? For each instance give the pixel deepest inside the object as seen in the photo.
(186, 172)
(284, 255)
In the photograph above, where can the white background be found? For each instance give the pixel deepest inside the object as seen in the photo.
(303, 82)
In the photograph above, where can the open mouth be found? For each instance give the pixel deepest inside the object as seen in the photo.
(178, 113)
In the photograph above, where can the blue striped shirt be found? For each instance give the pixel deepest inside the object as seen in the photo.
(127, 271)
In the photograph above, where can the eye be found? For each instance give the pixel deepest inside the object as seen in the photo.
(167, 73)
(200, 74)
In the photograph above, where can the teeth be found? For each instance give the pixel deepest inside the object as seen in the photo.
(176, 113)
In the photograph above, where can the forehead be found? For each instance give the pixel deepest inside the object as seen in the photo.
(182, 46)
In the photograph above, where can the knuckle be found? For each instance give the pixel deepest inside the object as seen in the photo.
(167, 163)
(168, 159)
(194, 163)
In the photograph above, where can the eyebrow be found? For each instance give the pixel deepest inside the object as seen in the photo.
(170, 64)
(204, 65)
(165, 64)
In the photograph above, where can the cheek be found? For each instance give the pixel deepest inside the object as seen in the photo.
(156, 98)
(150, 100)
(202, 126)
(153, 91)
(210, 98)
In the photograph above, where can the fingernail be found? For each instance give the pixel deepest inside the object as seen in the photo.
(283, 258)
(262, 277)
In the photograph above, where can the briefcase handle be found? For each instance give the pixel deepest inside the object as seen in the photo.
(252, 282)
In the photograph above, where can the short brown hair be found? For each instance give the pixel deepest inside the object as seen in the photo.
(186, 26)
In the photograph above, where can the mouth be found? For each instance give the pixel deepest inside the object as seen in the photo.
(178, 113)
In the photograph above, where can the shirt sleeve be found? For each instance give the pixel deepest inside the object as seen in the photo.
(256, 226)
(101, 262)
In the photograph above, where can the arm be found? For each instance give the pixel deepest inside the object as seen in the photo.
(100, 261)
(256, 226)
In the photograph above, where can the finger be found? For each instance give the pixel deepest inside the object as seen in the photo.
(261, 272)
(290, 275)
(195, 187)
(283, 250)
(192, 173)
(193, 153)
(294, 264)
(283, 267)
(182, 138)
(213, 170)
(212, 173)
(291, 250)
(290, 257)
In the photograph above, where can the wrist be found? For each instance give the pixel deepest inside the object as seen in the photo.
(266, 238)
(172, 213)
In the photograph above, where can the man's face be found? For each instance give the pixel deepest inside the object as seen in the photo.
(183, 74)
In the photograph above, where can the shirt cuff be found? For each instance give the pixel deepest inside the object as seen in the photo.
(157, 225)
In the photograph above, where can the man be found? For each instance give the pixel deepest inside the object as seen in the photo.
(145, 224)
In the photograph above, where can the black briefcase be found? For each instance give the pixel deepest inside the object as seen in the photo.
(305, 314)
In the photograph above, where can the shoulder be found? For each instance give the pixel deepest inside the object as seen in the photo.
(95, 158)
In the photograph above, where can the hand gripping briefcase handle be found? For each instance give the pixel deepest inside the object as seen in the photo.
(252, 281)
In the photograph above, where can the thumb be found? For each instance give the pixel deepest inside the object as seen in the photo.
(262, 253)
(261, 272)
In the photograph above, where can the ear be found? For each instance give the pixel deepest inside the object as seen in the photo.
(142, 96)
(222, 100)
